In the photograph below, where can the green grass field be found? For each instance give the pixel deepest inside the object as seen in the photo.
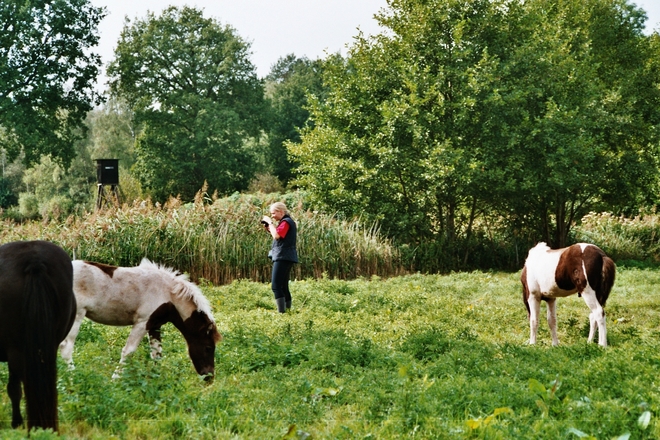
(433, 357)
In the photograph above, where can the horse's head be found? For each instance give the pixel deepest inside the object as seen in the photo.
(202, 335)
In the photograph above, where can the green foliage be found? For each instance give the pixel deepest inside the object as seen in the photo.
(196, 100)
(628, 240)
(407, 357)
(462, 111)
(265, 183)
(288, 86)
(47, 74)
(12, 175)
(28, 206)
(52, 193)
(583, 141)
(7, 196)
(112, 133)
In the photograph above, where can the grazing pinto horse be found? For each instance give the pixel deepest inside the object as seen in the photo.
(37, 308)
(146, 297)
(550, 274)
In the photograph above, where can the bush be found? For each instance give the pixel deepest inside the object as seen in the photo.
(622, 238)
(7, 196)
(28, 205)
(56, 208)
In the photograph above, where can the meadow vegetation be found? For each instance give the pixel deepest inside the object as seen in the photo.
(415, 356)
(435, 168)
(371, 349)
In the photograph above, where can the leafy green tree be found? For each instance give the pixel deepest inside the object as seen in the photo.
(288, 85)
(111, 133)
(584, 136)
(395, 139)
(7, 196)
(197, 101)
(49, 189)
(9, 182)
(52, 191)
(512, 108)
(47, 74)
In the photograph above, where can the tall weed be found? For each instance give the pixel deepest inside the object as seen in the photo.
(623, 238)
(221, 240)
(217, 240)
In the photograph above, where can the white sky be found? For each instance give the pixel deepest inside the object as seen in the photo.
(652, 8)
(276, 28)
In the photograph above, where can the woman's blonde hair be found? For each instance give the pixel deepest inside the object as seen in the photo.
(279, 206)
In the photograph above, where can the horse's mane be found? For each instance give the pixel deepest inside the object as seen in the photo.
(185, 289)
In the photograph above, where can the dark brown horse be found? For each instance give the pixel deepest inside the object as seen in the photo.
(37, 309)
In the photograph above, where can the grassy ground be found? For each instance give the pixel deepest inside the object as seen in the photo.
(408, 357)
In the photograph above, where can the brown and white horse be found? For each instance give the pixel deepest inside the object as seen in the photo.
(550, 274)
(145, 297)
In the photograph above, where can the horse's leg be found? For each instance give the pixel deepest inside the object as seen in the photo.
(155, 342)
(66, 346)
(138, 332)
(596, 317)
(15, 394)
(534, 310)
(552, 320)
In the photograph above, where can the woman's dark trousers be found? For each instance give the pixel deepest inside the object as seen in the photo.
(280, 284)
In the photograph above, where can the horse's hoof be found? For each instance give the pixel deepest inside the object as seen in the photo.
(16, 421)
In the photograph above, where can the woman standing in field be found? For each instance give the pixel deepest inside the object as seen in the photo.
(283, 252)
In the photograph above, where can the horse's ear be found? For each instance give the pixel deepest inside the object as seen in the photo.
(213, 330)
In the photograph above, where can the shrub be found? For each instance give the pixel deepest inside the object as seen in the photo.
(28, 205)
(622, 238)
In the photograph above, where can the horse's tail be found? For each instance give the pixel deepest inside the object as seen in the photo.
(40, 379)
(525, 289)
(607, 281)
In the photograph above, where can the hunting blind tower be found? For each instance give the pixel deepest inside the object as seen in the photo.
(107, 173)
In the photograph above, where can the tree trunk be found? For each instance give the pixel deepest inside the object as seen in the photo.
(560, 225)
(451, 223)
(468, 234)
(545, 226)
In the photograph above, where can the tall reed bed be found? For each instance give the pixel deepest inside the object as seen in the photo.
(220, 241)
(623, 238)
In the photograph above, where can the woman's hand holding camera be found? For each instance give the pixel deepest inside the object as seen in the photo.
(266, 221)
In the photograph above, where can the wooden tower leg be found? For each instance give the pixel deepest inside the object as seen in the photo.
(100, 195)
